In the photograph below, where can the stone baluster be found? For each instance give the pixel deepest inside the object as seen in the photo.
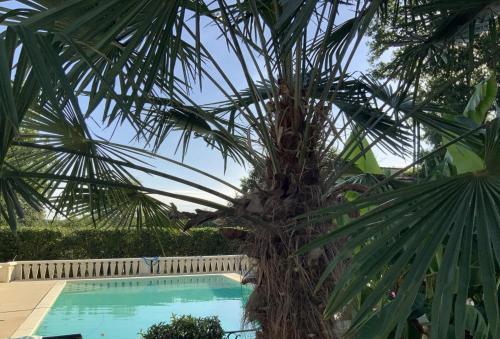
(106, 268)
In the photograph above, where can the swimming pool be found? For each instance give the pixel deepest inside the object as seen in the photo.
(121, 308)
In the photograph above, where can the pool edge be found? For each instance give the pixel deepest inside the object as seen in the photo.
(36, 316)
(233, 276)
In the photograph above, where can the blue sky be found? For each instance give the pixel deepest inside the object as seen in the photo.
(209, 160)
(199, 155)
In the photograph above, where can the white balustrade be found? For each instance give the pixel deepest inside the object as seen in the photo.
(124, 267)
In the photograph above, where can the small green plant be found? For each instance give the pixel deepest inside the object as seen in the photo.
(186, 327)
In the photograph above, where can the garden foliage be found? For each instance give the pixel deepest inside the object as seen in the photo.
(44, 244)
(186, 327)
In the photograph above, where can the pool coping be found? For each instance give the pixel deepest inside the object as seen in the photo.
(233, 276)
(41, 309)
(29, 326)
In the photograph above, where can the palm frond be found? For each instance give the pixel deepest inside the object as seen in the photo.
(410, 224)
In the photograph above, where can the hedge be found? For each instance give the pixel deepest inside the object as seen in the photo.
(46, 244)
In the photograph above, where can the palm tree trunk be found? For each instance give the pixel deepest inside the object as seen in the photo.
(284, 301)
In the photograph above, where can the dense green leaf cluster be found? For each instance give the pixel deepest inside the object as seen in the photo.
(38, 244)
(463, 52)
(186, 327)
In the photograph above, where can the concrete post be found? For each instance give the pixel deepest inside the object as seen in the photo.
(6, 271)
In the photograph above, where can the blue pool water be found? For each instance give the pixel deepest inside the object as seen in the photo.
(121, 308)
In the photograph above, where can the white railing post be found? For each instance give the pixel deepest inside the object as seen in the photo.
(7, 271)
(144, 268)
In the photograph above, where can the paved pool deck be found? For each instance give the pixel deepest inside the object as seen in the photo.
(23, 304)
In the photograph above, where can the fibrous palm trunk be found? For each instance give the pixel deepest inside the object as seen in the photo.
(284, 301)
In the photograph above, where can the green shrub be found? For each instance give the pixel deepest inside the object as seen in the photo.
(45, 244)
(186, 327)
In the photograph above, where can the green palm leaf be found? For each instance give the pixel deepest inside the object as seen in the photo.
(399, 238)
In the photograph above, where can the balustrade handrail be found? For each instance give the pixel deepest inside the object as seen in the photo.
(121, 259)
(122, 267)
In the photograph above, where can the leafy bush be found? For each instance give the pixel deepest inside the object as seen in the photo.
(44, 244)
(186, 327)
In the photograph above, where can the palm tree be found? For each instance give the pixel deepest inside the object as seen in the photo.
(139, 64)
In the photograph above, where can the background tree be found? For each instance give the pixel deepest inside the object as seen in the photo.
(465, 54)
